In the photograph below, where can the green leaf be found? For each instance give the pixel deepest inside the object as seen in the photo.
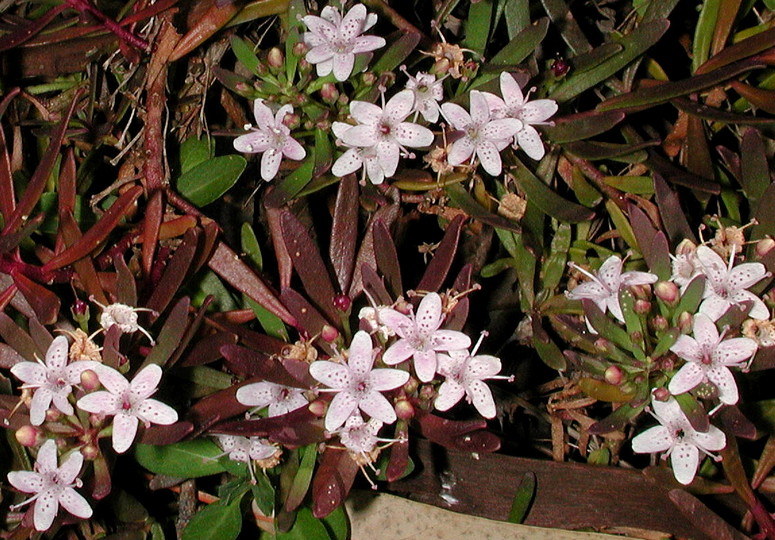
(303, 477)
(635, 44)
(691, 298)
(187, 459)
(305, 528)
(195, 151)
(478, 25)
(292, 184)
(207, 181)
(547, 200)
(463, 200)
(337, 524)
(517, 13)
(398, 50)
(703, 32)
(264, 494)
(215, 522)
(582, 126)
(523, 45)
(245, 54)
(523, 499)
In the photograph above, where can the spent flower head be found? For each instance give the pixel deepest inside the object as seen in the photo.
(708, 358)
(357, 384)
(52, 485)
(678, 439)
(128, 403)
(334, 40)
(52, 380)
(271, 137)
(421, 337)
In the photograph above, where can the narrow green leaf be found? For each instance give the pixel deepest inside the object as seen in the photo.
(547, 200)
(755, 175)
(623, 226)
(400, 47)
(635, 44)
(463, 200)
(522, 45)
(215, 522)
(292, 184)
(523, 499)
(517, 13)
(691, 298)
(667, 340)
(303, 477)
(570, 30)
(195, 151)
(209, 180)
(245, 54)
(337, 524)
(187, 459)
(305, 528)
(478, 25)
(582, 126)
(703, 32)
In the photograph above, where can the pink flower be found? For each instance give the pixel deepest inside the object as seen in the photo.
(708, 358)
(128, 403)
(360, 437)
(52, 485)
(53, 380)
(246, 449)
(428, 91)
(726, 284)
(420, 337)
(335, 40)
(383, 135)
(465, 373)
(271, 138)
(357, 384)
(678, 439)
(603, 287)
(280, 399)
(531, 113)
(482, 135)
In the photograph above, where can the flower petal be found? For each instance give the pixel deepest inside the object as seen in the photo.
(490, 157)
(480, 110)
(252, 143)
(413, 135)
(70, 468)
(714, 307)
(258, 394)
(322, 55)
(263, 114)
(40, 403)
(655, 439)
(483, 366)
(292, 149)
(425, 365)
(745, 275)
(712, 441)
(449, 340)
(46, 509)
(510, 90)
(124, 431)
(111, 379)
(347, 163)
(56, 355)
(734, 351)
(364, 44)
(460, 151)
(362, 135)
(352, 23)
(428, 316)
(457, 116)
(481, 397)
(684, 459)
(538, 111)
(505, 128)
(688, 377)
(156, 412)
(75, 503)
(331, 374)
(387, 379)
(686, 347)
(343, 65)
(388, 155)
(146, 381)
(31, 373)
(361, 355)
(377, 406)
(100, 402)
(450, 393)
(397, 352)
(725, 382)
(341, 407)
(270, 164)
(26, 481)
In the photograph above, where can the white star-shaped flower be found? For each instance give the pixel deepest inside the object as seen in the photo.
(52, 485)
(360, 437)
(531, 113)
(246, 449)
(482, 135)
(726, 284)
(428, 92)
(128, 403)
(382, 133)
(271, 138)
(420, 337)
(708, 358)
(603, 287)
(465, 372)
(678, 439)
(52, 381)
(335, 40)
(357, 384)
(281, 399)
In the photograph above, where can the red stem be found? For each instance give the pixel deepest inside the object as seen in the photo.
(86, 7)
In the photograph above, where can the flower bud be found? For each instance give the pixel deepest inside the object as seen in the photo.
(628, 388)
(275, 58)
(292, 121)
(411, 385)
(667, 363)
(300, 48)
(317, 407)
(89, 380)
(329, 333)
(685, 321)
(427, 392)
(342, 302)
(80, 308)
(304, 66)
(328, 93)
(29, 436)
(603, 345)
(661, 394)
(441, 67)
(404, 409)
(90, 452)
(613, 375)
(369, 78)
(667, 291)
(764, 246)
(659, 323)
(53, 415)
(560, 67)
(642, 307)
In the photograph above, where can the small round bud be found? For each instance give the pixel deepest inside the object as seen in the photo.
(603, 345)
(560, 67)
(614, 375)
(275, 58)
(53, 415)
(427, 392)
(402, 306)
(317, 407)
(329, 333)
(89, 380)
(441, 67)
(342, 302)
(29, 436)
(685, 321)
(90, 452)
(667, 363)
(292, 121)
(80, 308)
(661, 394)
(411, 385)
(659, 323)
(642, 307)
(304, 66)
(764, 246)
(300, 48)
(404, 409)
(369, 78)
(667, 291)
(329, 93)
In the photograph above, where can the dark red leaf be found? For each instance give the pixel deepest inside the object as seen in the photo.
(295, 428)
(468, 436)
(387, 258)
(208, 349)
(85, 269)
(399, 460)
(28, 29)
(652, 243)
(439, 266)
(160, 435)
(374, 285)
(344, 231)
(178, 269)
(735, 422)
(45, 303)
(332, 482)
(456, 319)
(17, 338)
(285, 371)
(41, 336)
(366, 256)
(673, 216)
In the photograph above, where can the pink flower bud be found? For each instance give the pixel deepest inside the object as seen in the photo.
(29, 436)
(659, 323)
(685, 321)
(53, 415)
(613, 375)
(89, 380)
(667, 291)
(764, 246)
(603, 345)
(369, 78)
(342, 302)
(427, 392)
(275, 58)
(661, 394)
(642, 307)
(404, 409)
(329, 93)
(411, 385)
(90, 452)
(317, 407)
(560, 67)
(441, 67)
(329, 333)
(80, 308)
(300, 48)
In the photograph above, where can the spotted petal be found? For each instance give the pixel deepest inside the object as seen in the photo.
(377, 406)
(688, 377)
(684, 458)
(481, 397)
(124, 431)
(655, 439)
(340, 408)
(450, 393)
(331, 374)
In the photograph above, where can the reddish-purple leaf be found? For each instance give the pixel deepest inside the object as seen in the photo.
(735, 422)
(126, 288)
(160, 435)
(85, 269)
(308, 319)
(399, 460)
(673, 216)
(439, 266)
(387, 258)
(468, 436)
(366, 256)
(299, 427)
(8, 356)
(29, 29)
(178, 269)
(456, 319)
(215, 407)
(208, 349)
(171, 335)
(41, 336)
(652, 243)
(374, 285)
(289, 372)
(17, 338)
(234, 271)
(344, 231)
(45, 303)
(332, 482)
(102, 483)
